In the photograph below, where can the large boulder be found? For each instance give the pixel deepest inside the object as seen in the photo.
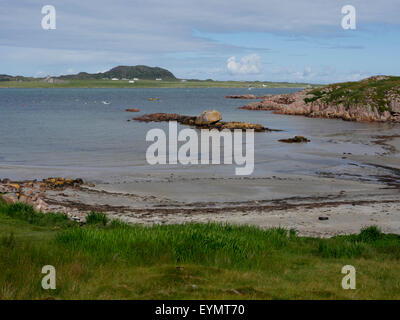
(208, 117)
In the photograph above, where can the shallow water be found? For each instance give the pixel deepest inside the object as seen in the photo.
(70, 132)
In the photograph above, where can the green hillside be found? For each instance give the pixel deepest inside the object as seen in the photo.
(127, 72)
(377, 92)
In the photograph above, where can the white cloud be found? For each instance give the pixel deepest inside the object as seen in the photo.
(250, 64)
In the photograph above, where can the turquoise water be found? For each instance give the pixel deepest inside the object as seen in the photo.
(71, 132)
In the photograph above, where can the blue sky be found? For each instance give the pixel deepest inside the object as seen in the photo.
(270, 40)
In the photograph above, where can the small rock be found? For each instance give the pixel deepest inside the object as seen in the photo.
(40, 205)
(296, 139)
(323, 218)
(28, 192)
(235, 291)
(132, 110)
(10, 198)
(23, 199)
(15, 186)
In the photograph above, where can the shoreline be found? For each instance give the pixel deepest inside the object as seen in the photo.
(357, 205)
(365, 192)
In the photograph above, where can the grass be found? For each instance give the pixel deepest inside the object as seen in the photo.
(147, 84)
(20, 211)
(113, 260)
(96, 218)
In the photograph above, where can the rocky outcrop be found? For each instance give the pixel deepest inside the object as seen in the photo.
(194, 121)
(160, 117)
(244, 96)
(132, 110)
(33, 192)
(296, 105)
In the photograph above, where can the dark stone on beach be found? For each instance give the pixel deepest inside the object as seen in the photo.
(323, 218)
(296, 139)
(132, 110)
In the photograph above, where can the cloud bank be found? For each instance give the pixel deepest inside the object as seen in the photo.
(94, 35)
(250, 64)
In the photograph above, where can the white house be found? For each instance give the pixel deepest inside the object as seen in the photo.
(158, 79)
(131, 81)
(135, 79)
(114, 79)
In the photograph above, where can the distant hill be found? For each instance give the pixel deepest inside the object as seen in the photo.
(6, 77)
(128, 72)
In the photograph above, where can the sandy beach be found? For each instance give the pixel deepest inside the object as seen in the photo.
(367, 194)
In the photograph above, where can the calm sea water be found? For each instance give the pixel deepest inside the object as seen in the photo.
(71, 132)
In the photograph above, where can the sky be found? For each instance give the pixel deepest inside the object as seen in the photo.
(265, 40)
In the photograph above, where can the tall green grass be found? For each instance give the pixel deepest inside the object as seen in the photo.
(217, 244)
(111, 259)
(27, 213)
(207, 244)
(368, 243)
(94, 218)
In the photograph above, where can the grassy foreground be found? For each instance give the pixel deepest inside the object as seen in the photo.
(147, 84)
(112, 260)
